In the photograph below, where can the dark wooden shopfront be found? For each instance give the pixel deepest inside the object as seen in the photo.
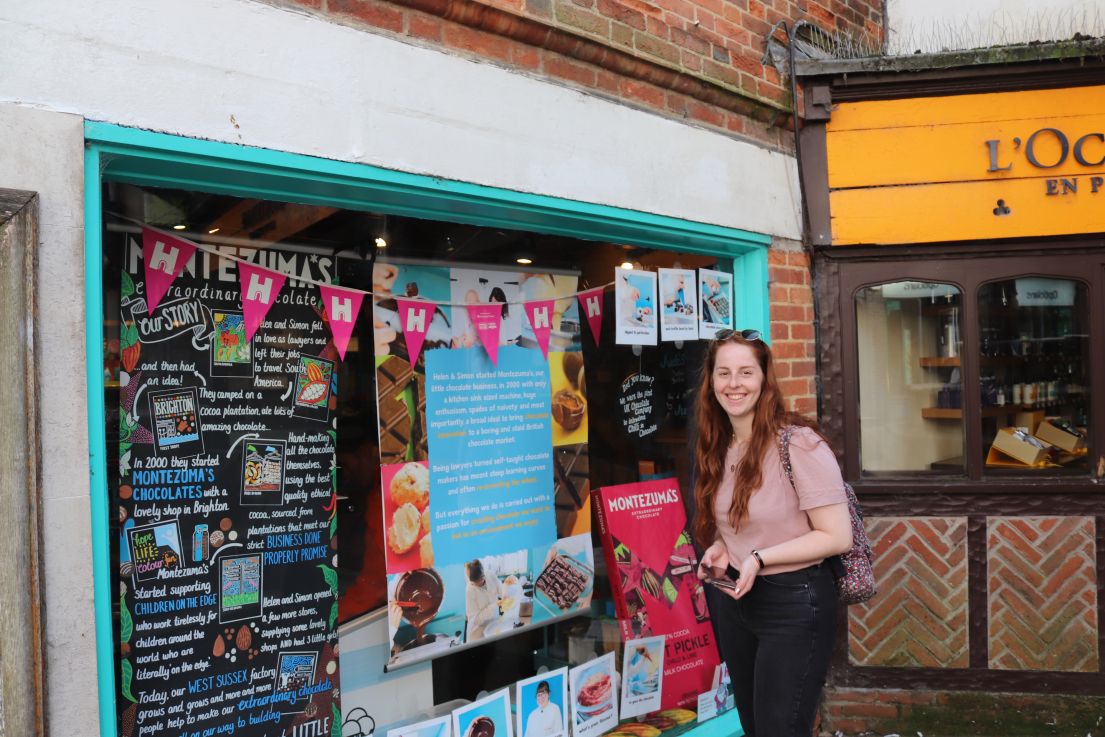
(990, 570)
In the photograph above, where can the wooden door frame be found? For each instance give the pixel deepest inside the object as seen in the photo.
(841, 272)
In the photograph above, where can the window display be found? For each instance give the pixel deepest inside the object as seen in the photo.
(453, 427)
(1032, 363)
(1033, 358)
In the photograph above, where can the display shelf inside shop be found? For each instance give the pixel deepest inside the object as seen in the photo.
(954, 464)
(955, 413)
(956, 361)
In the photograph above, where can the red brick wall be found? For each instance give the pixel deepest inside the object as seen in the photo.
(697, 60)
(859, 711)
(792, 334)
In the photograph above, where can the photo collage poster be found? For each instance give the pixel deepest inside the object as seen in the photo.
(484, 467)
(671, 305)
(227, 588)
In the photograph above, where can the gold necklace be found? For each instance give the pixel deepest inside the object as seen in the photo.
(733, 444)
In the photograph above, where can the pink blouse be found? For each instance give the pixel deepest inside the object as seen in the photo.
(775, 513)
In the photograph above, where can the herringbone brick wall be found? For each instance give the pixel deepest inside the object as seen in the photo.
(919, 617)
(1042, 588)
(918, 711)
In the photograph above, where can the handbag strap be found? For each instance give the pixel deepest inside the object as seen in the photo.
(784, 453)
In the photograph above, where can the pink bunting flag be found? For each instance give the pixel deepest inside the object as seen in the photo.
(488, 320)
(591, 304)
(414, 317)
(163, 257)
(260, 287)
(540, 319)
(342, 307)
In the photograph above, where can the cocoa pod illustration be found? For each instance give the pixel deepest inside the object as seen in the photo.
(244, 638)
(128, 720)
(650, 583)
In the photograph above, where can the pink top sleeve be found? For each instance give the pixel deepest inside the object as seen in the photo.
(817, 476)
(776, 513)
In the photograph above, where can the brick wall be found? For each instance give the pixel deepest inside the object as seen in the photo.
(792, 333)
(695, 60)
(855, 711)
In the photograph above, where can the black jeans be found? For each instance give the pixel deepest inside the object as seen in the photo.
(777, 641)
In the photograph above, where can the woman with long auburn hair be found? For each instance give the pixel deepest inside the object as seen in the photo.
(766, 539)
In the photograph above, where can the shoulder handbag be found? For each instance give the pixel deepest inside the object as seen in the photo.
(854, 570)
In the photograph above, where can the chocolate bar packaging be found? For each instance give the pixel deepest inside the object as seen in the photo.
(651, 563)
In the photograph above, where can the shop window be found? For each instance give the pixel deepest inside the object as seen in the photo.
(1033, 371)
(217, 435)
(910, 377)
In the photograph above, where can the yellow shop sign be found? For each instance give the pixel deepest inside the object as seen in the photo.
(964, 167)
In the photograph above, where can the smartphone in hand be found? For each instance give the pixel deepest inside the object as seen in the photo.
(720, 581)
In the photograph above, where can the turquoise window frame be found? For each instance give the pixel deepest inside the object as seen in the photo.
(146, 158)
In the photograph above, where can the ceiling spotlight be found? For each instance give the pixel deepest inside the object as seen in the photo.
(213, 231)
(381, 243)
(524, 260)
(179, 227)
(626, 265)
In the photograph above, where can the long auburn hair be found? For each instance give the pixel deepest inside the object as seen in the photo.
(715, 433)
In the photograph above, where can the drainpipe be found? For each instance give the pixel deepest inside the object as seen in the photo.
(807, 245)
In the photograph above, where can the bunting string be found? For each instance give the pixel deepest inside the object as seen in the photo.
(214, 251)
(165, 255)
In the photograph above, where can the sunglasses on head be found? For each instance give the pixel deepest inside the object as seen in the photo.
(748, 334)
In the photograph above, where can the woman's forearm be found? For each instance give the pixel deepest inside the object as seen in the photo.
(814, 545)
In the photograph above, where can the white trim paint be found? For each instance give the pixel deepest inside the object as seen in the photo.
(246, 72)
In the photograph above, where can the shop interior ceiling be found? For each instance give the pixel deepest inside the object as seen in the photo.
(219, 219)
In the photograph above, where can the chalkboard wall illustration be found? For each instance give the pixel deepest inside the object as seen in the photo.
(226, 583)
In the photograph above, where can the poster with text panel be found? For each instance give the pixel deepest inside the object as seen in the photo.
(483, 465)
(227, 585)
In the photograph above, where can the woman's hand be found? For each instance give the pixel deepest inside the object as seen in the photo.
(395, 614)
(714, 561)
(749, 569)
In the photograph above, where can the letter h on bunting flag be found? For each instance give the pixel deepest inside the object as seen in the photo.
(342, 307)
(414, 319)
(163, 258)
(591, 304)
(260, 288)
(540, 316)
